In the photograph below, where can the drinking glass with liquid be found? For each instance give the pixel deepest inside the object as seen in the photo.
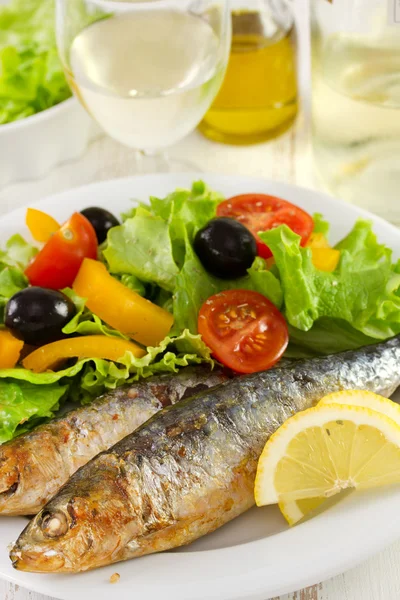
(258, 98)
(356, 101)
(146, 71)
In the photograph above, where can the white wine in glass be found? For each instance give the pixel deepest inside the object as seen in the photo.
(147, 72)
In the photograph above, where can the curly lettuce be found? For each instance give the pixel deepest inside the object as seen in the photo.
(13, 260)
(90, 377)
(356, 304)
(23, 405)
(31, 75)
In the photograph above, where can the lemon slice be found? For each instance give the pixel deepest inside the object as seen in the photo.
(367, 400)
(295, 510)
(323, 450)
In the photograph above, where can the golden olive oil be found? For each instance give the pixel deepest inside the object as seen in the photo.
(258, 98)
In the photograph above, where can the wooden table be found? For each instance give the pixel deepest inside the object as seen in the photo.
(285, 159)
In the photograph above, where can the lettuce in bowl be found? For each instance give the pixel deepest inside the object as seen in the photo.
(31, 75)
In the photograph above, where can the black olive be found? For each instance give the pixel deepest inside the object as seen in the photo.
(226, 248)
(37, 315)
(102, 221)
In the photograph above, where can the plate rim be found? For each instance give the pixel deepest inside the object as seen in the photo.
(251, 585)
(199, 175)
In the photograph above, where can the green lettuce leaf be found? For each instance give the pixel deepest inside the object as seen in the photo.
(196, 206)
(320, 225)
(13, 260)
(161, 298)
(150, 244)
(133, 283)
(130, 213)
(326, 336)
(23, 404)
(17, 253)
(362, 291)
(12, 280)
(186, 211)
(142, 247)
(31, 75)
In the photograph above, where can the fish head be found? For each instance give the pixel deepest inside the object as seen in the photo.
(10, 462)
(87, 524)
(27, 475)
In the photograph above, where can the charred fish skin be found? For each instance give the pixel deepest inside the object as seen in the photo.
(35, 465)
(190, 468)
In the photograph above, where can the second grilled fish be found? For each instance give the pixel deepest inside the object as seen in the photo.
(35, 465)
(190, 469)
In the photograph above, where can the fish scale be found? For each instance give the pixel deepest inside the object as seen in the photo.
(191, 467)
(35, 465)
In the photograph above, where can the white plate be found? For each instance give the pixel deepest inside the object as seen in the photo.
(256, 556)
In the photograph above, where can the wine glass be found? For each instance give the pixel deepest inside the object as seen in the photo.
(146, 71)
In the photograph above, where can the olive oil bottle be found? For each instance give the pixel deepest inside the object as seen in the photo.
(258, 98)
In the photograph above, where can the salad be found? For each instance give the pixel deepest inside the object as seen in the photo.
(187, 279)
(31, 75)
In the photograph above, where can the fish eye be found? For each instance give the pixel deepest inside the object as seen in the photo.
(54, 524)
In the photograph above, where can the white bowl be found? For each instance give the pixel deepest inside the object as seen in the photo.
(29, 148)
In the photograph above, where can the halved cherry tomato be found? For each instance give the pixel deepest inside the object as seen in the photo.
(260, 212)
(244, 330)
(58, 262)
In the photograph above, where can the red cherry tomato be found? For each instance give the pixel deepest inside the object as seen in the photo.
(244, 330)
(260, 212)
(58, 262)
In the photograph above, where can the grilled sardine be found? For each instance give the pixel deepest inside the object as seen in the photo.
(35, 465)
(191, 468)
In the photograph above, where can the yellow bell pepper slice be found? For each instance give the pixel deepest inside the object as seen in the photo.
(325, 259)
(10, 349)
(317, 240)
(41, 225)
(88, 346)
(120, 307)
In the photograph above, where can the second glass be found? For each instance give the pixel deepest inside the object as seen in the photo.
(356, 101)
(146, 71)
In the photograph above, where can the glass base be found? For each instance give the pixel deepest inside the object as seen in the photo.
(365, 175)
(160, 162)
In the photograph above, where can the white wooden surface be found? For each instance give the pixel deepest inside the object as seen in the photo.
(286, 159)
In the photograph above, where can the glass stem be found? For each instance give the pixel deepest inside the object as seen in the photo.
(153, 161)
